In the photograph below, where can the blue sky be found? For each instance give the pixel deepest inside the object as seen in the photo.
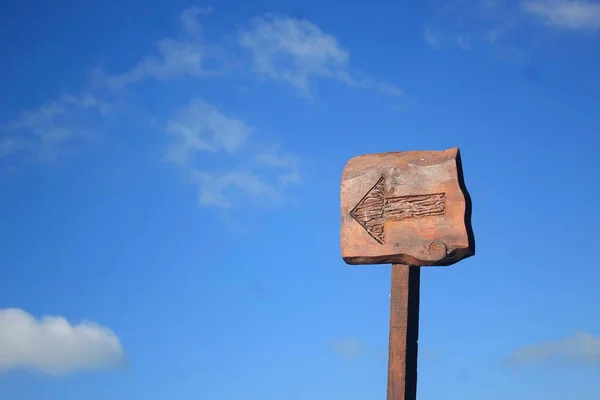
(170, 197)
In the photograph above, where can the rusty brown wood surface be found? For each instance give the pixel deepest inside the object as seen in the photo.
(404, 333)
(407, 207)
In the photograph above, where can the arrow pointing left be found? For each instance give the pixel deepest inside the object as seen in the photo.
(376, 208)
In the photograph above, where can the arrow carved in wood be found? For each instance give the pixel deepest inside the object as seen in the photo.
(375, 209)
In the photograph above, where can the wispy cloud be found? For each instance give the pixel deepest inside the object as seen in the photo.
(436, 40)
(283, 49)
(472, 24)
(507, 27)
(348, 349)
(224, 189)
(583, 348)
(259, 173)
(431, 37)
(464, 41)
(569, 14)
(286, 163)
(54, 346)
(297, 52)
(202, 127)
(44, 134)
(188, 55)
(223, 155)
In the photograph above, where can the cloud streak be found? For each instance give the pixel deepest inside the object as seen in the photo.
(260, 173)
(282, 49)
(567, 14)
(582, 348)
(54, 346)
(176, 57)
(348, 349)
(431, 37)
(506, 27)
(44, 134)
(202, 127)
(221, 154)
(298, 52)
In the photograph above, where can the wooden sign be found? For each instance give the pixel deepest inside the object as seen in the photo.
(409, 209)
(405, 208)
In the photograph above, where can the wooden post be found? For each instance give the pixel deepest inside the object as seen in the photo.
(404, 333)
(410, 209)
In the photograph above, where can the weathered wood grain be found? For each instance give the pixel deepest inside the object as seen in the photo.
(404, 333)
(406, 208)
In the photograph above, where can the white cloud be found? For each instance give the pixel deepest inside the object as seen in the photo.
(583, 348)
(260, 173)
(189, 20)
(463, 41)
(431, 37)
(282, 48)
(202, 127)
(349, 349)
(218, 189)
(54, 346)
(469, 25)
(88, 101)
(185, 56)
(296, 51)
(567, 14)
(507, 27)
(274, 157)
(45, 133)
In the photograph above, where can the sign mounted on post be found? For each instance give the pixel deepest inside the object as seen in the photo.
(405, 208)
(409, 209)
